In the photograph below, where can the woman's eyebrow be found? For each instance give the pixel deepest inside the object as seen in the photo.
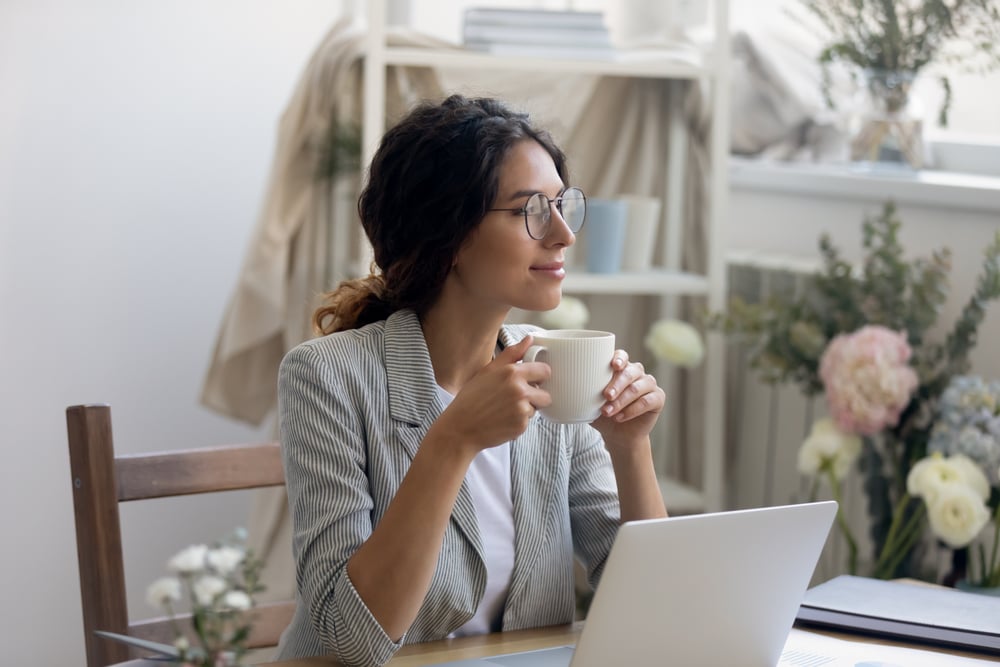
(521, 194)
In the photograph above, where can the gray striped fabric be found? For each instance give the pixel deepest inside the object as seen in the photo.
(353, 409)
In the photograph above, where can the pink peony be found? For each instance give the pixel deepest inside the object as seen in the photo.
(867, 378)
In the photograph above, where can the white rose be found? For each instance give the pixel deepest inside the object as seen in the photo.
(225, 560)
(207, 588)
(190, 560)
(973, 474)
(957, 514)
(162, 591)
(931, 474)
(828, 444)
(676, 342)
(236, 600)
(571, 313)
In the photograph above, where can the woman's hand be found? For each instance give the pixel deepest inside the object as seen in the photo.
(496, 405)
(634, 402)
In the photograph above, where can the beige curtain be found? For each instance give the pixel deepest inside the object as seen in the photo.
(617, 144)
(288, 266)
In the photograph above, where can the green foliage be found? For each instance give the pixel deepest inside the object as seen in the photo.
(787, 336)
(340, 152)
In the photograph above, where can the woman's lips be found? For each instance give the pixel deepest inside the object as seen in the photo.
(553, 269)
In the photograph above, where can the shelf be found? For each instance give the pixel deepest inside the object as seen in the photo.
(922, 187)
(656, 282)
(674, 64)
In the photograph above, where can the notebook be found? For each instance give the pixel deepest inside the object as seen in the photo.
(706, 589)
(911, 611)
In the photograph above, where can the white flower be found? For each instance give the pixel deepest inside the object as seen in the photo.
(828, 445)
(224, 560)
(190, 560)
(207, 588)
(182, 643)
(571, 313)
(974, 476)
(930, 475)
(957, 514)
(236, 600)
(676, 342)
(163, 590)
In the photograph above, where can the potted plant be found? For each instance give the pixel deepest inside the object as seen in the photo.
(888, 44)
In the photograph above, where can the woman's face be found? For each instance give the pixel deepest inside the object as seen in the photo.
(500, 264)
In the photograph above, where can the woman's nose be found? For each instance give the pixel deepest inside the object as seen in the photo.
(559, 230)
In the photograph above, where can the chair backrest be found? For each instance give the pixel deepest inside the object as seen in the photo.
(101, 480)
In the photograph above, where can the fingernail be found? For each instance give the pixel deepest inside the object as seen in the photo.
(607, 409)
(612, 392)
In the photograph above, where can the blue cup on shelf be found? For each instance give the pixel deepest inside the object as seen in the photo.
(604, 234)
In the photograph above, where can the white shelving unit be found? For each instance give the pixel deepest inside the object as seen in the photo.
(668, 281)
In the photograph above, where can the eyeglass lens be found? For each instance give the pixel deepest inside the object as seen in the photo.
(572, 206)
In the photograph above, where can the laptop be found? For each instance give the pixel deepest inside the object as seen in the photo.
(706, 589)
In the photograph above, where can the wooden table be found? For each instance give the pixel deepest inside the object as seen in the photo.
(413, 655)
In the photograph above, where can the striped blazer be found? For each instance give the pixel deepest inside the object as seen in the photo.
(353, 409)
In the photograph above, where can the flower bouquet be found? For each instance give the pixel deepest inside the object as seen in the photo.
(220, 582)
(861, 337)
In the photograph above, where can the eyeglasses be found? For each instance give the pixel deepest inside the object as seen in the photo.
(537, 211)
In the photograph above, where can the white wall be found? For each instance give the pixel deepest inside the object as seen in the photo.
(135, 139)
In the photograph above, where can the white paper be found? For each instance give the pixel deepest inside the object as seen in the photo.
(809, 649)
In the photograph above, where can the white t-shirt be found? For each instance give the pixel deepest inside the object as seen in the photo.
(488, 480)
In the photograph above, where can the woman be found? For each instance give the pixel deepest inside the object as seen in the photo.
(428, 499)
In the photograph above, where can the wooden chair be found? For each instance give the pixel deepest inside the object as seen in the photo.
(101, 480)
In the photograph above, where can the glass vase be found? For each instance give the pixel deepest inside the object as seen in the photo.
(888, 127)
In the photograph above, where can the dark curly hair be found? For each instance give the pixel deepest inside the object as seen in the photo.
(430, 184)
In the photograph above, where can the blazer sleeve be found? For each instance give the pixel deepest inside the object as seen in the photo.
(593, 500)
(324, 453)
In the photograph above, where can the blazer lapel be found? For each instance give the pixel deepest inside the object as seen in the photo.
(414, 405)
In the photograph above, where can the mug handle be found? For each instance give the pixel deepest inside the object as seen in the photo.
(533, 352)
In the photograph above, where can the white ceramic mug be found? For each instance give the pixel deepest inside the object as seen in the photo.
(580, 360)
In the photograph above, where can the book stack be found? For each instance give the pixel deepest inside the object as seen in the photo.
(537, 32)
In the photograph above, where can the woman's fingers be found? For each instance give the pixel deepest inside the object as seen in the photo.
(634, 392)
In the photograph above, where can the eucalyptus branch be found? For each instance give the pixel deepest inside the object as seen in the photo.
(962, 339)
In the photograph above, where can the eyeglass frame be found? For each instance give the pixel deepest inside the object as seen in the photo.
(557, 202)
